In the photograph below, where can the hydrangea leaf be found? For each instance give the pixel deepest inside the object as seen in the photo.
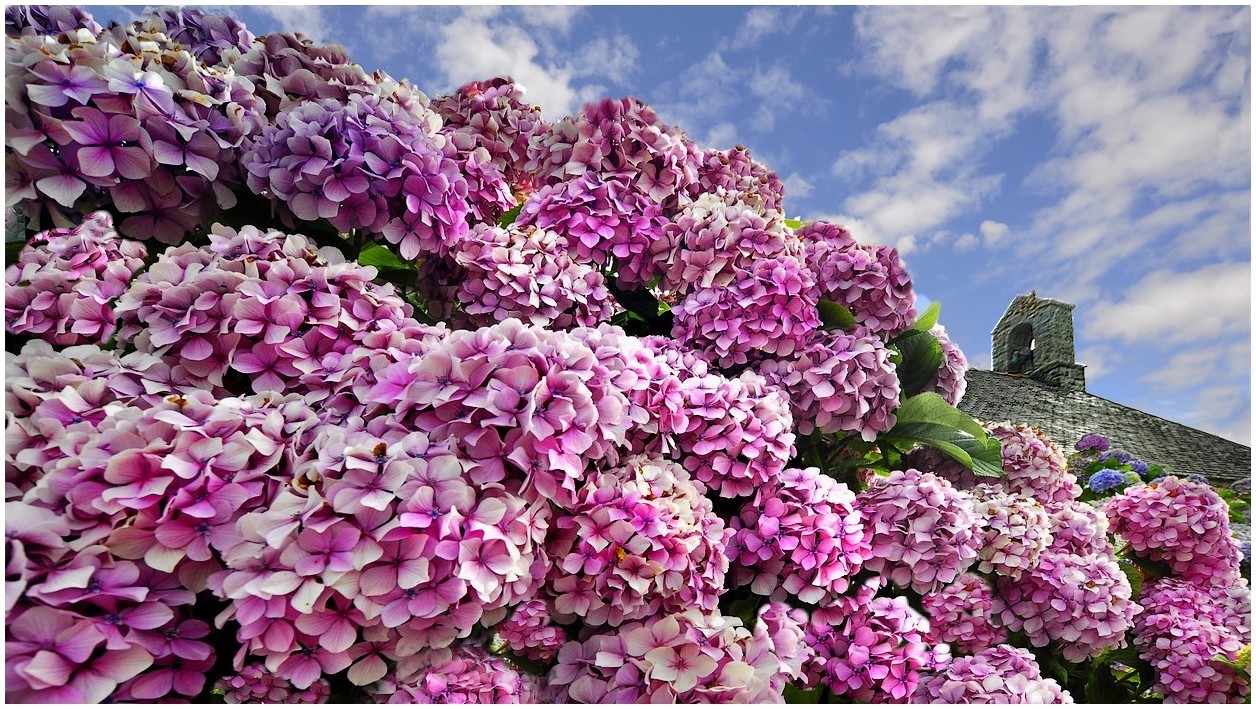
(927, 418)
(1134, 574)
(380, 256)
(922, 357)
(510, 216)
(929, 317)
(794, 695)
(795, 223)
(835, 316)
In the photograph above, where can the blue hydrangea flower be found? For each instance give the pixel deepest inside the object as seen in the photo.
(1245, 548)
(1198, 479)
(1092, 442)
(1139, 466)
(1105, 480)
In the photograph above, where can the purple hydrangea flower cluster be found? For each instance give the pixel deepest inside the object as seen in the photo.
(255, 685)
(768, 310)
(737, 433)
(1182, 523)
(638, 540)
(529, 632)
(998, 675)
(1183, 628)
(1082, 602)
(949, 382)
(1093, 442)
(617, 138)
(64, 286)
(718, 236)
(47, 20)
(1079, 528)
(207, 36)
(962, 614)
(735, 171)
(871, 282)
(1017, 531)
(363, 163)
(525, 273)
(462, 674)
(605, 221)
(1034, 464)
(840, 382)
(925, 533)
(128, 122)
(685, 657)
(801, 535)
(495, 117)
(875, 654)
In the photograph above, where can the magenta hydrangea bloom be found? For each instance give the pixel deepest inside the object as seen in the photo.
(868, 281)
(128, 120)
(385, 172)
(607, 221)
(735, 171)
(716, 237)
(768, 310)
(686, 657)
(617, 138)
(638, 540)
(1034, 464)
(495, 116)
(736, 434)
(529, 632)
(1082, 602)
(839, 382)
(961, 614)
(1079, 528)
(875, 654)
(802, 535)
(925, 533)
(949, 382)
(512, 394)
(66, 281)
(1182, 523)
(1183, 629)
(462, 674)
(254, 684)
(998, 675)
(525, 273)
(1017, 531)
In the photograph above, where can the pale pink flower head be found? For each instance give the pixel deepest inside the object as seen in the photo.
(961, 614)
(870, 282)
(1034, 464)
(998, 675)
(1017, 530)
(875, 654)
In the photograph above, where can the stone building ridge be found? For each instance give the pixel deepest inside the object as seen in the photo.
(1036, 381)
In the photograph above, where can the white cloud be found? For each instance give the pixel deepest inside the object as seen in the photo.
(992, 232)
(797, 186)
(556, 17)
(309, 20)
(761, 22)
(1170, 307)
(481, 42)
(1098, 360)
(966, 242)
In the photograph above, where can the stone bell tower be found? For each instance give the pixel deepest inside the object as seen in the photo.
(1035, 338)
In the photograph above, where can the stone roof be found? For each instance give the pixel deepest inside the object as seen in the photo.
(1066, 416)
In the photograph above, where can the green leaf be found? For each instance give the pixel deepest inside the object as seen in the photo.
(834, 316)
(1104, 688)
(13, 250)
(927, 419)
(795, 223)
(922, 357)
(929, 317)
(794, 695)
(1134, 574)
(380, 256)
(509, 217)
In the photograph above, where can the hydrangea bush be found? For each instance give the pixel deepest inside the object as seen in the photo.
(320, 389)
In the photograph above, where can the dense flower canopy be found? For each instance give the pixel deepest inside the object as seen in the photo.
(318, 389)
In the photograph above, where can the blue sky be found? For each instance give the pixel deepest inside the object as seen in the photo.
(1097, 156)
